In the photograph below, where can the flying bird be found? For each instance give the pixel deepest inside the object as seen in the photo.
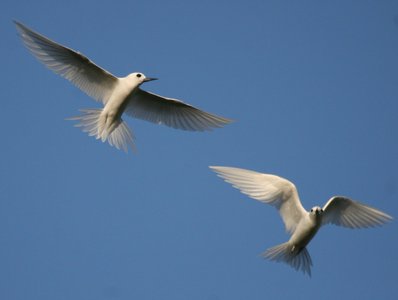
(301, 224)
(118, 95)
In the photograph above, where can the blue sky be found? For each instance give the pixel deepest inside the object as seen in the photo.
(313, 87)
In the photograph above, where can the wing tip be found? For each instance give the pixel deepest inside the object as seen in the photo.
(220, 170)
(215, 167)
(22, 28)
(17, 23)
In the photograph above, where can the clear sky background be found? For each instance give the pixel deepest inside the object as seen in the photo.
(313, 87)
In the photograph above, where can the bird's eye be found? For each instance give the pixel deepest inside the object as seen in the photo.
(312, 210)
(139, 75)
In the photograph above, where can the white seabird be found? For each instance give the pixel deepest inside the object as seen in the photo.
(301, 224)
(118, 95)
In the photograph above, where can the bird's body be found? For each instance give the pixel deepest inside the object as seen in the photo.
(117, 102)
(302, 225)
(119, 95)
(305, 231)
(111, 114)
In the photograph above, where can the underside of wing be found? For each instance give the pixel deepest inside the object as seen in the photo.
(343, 211)
(267, 188)
(72, 65)
(171, 112)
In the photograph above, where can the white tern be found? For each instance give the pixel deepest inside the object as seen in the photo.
(117, 94)
(302, 225)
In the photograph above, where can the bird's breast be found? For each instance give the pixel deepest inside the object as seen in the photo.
(119, 99)
(305, 231)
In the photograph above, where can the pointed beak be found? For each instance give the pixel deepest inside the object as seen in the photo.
(149, 79)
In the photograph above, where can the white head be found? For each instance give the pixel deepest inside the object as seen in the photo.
(316, 211)
(139, 78)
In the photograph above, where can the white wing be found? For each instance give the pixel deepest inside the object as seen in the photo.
(345, 212)
(72, 65)
(171, 112)
(269, 189)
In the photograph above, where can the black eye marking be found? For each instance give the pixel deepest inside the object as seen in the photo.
(139, 75)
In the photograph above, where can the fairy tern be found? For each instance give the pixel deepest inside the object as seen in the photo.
(118, 95)
(302, 225)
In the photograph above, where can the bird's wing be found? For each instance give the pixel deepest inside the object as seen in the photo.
(269, 189)
(72, 65)
(345, 212)
(171, 112)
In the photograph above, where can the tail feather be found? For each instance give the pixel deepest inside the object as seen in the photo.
(283, 253)
(121, 137)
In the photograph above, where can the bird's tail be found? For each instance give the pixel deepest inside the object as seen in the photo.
(299, 260)
(90, 121)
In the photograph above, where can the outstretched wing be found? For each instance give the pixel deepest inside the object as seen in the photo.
(171, 112)
(345, 212)
(267, 188)
(72, 65)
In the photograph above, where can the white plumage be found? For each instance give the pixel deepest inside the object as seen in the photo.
(302, 225)
(117, 94)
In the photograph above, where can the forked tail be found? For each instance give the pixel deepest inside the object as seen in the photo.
(300, 260)
(121, 137)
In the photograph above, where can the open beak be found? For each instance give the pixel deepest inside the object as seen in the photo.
(149, 79)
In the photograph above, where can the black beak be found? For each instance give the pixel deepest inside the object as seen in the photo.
(149, 79)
